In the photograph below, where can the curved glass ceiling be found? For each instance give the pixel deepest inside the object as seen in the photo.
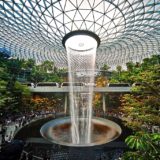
(128, 29)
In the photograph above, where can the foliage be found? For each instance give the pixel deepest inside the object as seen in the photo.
(97, 100)
(17, 97)
(4, 96)
(139, 113)
(37, 75)
(119, 69)
(135, 71)
(45, 72)
(101, 81)
(3, 100)
(47, 66)
(12, 92)
(28, 64)
(146, 146)
(104, 69)
(130, 66)
(22, 88)
(43, 103)
(141, 108)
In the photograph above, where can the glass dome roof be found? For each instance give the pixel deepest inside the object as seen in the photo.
(128, 29)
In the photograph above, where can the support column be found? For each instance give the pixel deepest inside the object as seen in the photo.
(65, 103)
(104, 102)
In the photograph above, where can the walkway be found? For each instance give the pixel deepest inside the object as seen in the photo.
(79, 89)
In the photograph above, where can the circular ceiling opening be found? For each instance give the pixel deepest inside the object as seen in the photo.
(81, 40)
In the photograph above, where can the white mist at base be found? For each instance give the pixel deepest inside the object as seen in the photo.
(81, 53)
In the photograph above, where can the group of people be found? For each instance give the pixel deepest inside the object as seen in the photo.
(11, 123)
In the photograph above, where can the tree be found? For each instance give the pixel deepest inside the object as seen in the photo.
(23, 97)
(37, 75)
(119, 70)
(154, 60)
(104, 69)
(47, 66)
(12, 93)
(141, 109)
(29, 64)
(14, 66)
(4, 95)
(130, 66)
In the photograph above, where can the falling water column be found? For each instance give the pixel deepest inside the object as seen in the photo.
(81, 53)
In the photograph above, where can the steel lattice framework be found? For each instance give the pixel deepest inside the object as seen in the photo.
(128, 29)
